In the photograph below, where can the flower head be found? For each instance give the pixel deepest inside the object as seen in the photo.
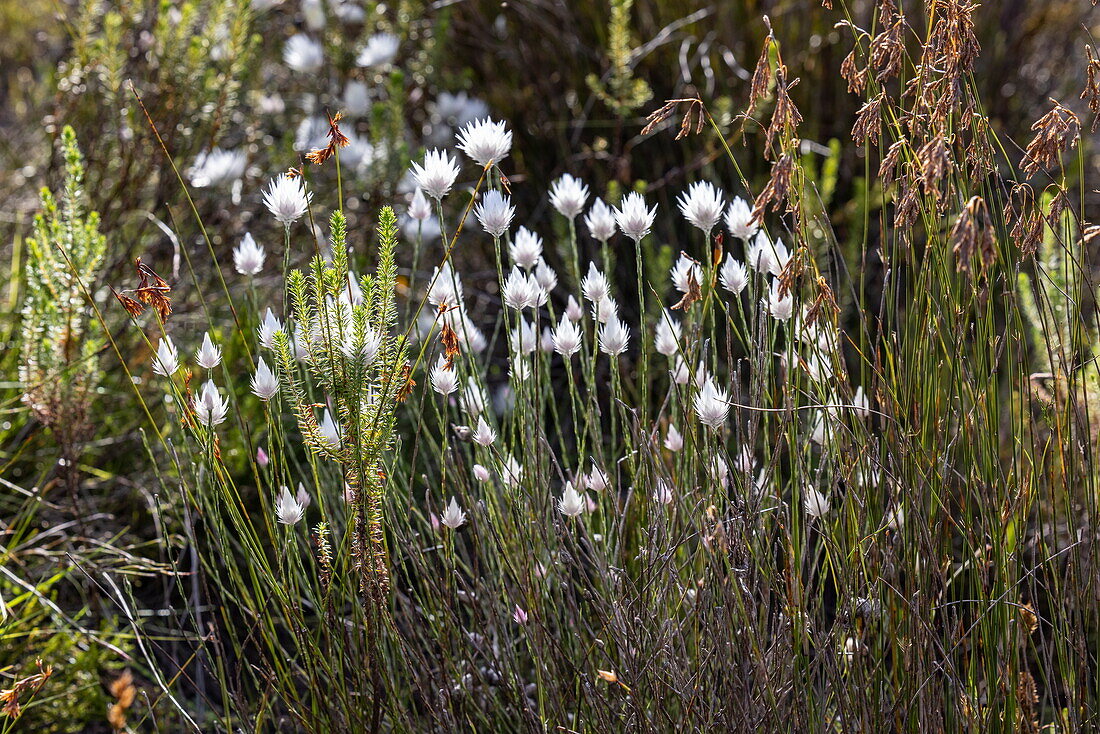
(733, 275)
(267, 330)
(453, 517)
(712, 404)
(572, 502)
(483, 434)
(614, 337)
(520, 290)
(217, 168)
(167, 359)
(594, 285)
(495, 212)
(210, 407)
(248, 257)
(485, 141)
(573, 310)
(766, 256)
(566, 338)
(780, 307)
(673, 440)
(739, 219)
(446, 287)
(481, 474)
(633, 218)
(597, 479)
(702, 205)
(684, 271)
(545, 277)
(330, 432)
(667, 338)
(287, 199)
(303, 55)
(209, 355)
(381, 49)
(814, 502)
(264, 383)
(600, 221)
(526, 248)
(288, 509)
(420, 208)
(568, 195)
(437, 175)
(444, 378)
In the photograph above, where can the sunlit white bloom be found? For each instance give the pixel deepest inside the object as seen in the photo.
(210, 407)
(380, 51)
(267, 330)
(287, 199)
(684, 272)
(167, 360)
(526, 248)
(483, 434)
(662, 492)
(444, 381)
(485, 141)
(520, 369)
(264, 383)
(330, 432)
(572, 502)
(288, 509)
(357, 98)
(600, 221)
(780, 307)
(605, 310)
(437, 175)
(633, 218)
(471, 337)
(573, 310)
(680, 373)
(712, 404)
(739, 219)
(546, 340)
(446, 287)
(667, 338)
(209, 355)
(702, 205)
(248, 257)
(568, 195)
(733, 275)
(458, 109)
(520, 291)
(545, 276)
(594, 285)
(419, 207)
(597, 479)
(861, 403)
(453, 517)
(673, 440)
(814, 502)
(481, 474)
(364, 349)
(217, 168)
(494, 212)
(511, 472)
(473, 398)
(567, 338)
(303, 55)
(524, 338)
(614, 337)
(744, 461)
(766, 256)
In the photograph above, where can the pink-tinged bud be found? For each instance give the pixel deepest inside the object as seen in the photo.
(261, 458)
(519, 615)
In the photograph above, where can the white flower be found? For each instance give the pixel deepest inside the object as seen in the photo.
(600, 221)
(520, 369)
(473, 397)
(267, 330)
(444, 381)
(572, 502)
(381, 49)
(365, 349)
(524, 338)
(683, 271)
(511, 471)
(667, 337)
(733, 275)
(519, 290)
(481, 474)
(744, 462)
(330, 432)
(167, 360)
(739, 219)
(248, 257)
(470, 335)
(313, 12)
(211, 407)
(526, 248)
(614, 337)
(453, 517)
(446, 287)
(287, 508)
(419, 208)
(567, 338)
(702, 205)
(494, 212)
(437, 175)
(209, 355)
(573, 310)
(217, 168)
(633, 218)
(662, 493)
(568, 195)
(485, 141)
(719, 470)
(780, 307)
(264, 383)
(286, 198)
(861, 403)
(483, 434)
(458, 109)
(712, 404)
(594, 285)
(545, 277)
(605, 310)
(673, 440)
(819, 430)
(303, 55)
(596, 480)
(357, 100)
(765, 256)
(815, 503)
(680, 373)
